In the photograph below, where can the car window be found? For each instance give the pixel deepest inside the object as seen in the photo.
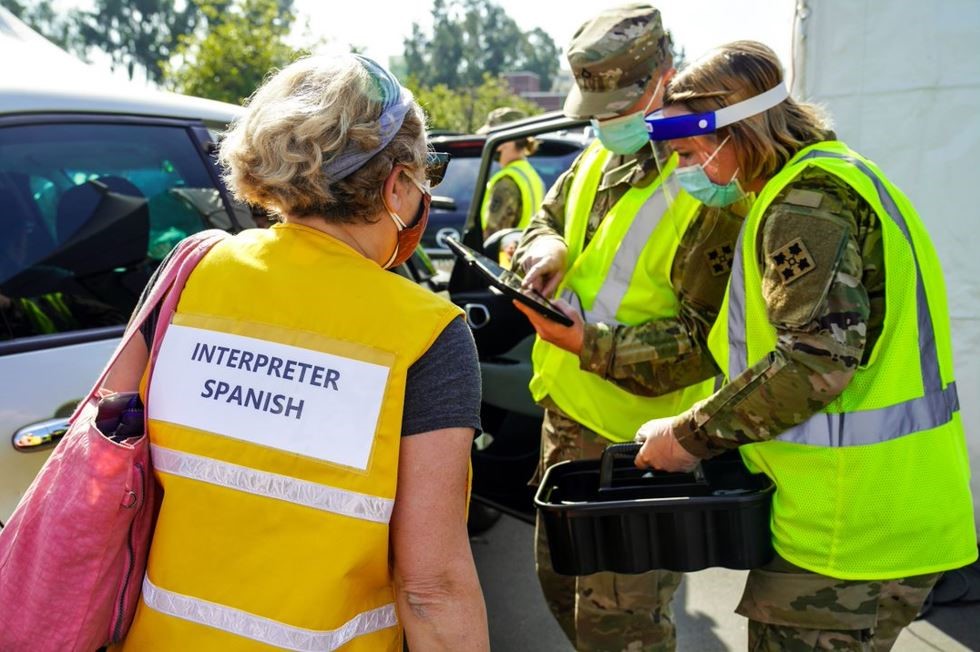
(458, 182)
(87, 211)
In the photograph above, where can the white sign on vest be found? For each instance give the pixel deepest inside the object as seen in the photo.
(300, 400)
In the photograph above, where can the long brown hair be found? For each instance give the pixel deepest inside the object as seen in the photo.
(737, 71)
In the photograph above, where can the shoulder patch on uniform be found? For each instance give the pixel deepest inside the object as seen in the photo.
(720, 259)
(792, 261)
(808, 198)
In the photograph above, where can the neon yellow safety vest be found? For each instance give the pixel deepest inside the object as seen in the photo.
(528, 182)
(621, 277)
(875, 486)
(275, 422)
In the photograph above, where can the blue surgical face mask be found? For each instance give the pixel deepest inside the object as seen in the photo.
(626, 134)
(695, 181)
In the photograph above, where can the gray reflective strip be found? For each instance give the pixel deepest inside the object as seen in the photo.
(272, 485)
(628, 255)
(265, 630)
(875, 426)
(932, 410)
(719, 382)
(738, 351)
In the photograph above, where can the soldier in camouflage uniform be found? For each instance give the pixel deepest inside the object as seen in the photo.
(823, 283)
(607, 611)
(505, 208)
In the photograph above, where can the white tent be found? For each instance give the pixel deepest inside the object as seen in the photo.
(30, 59)
(902, 81)
(37, 75)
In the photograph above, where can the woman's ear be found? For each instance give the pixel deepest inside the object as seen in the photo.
(392, 191)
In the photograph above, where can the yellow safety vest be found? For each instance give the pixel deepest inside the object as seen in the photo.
(875, 486)
(621, 277)
(277, 495)
(528, 182)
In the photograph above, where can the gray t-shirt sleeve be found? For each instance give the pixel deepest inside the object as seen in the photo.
(443, 386)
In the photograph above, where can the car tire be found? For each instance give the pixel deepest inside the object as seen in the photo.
(481, 518)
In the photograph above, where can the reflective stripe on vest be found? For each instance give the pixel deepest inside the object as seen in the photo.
(617, 281)
(265, 630)
(528, 183)
(272, 485)
(856, 428)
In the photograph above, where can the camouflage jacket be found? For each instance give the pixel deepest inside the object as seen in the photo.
(665, 354)
(828, 314)
(504, 211)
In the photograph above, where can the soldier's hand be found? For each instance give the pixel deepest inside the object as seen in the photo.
(660, 448)
(569, 338)
(544, 265)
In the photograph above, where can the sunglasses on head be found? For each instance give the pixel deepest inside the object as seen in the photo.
(435, 167)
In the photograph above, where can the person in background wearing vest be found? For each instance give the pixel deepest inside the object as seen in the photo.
(647, 264)
(835, 341)
(515, 192)
(312, 417)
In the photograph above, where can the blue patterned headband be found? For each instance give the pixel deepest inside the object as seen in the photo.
(395, 103)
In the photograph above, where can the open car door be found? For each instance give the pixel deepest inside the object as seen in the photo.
(505, 457)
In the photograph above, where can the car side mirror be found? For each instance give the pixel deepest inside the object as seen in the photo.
(443, 203)
(493, 244)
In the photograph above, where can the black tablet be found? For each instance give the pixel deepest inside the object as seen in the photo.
(507, 282)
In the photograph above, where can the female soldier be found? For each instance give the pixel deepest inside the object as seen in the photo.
(835, 340)
(301, 387)
(515, 192)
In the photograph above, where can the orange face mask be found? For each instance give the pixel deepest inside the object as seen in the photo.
(409, 237)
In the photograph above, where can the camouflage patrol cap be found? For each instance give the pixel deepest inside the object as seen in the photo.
(612, 57)
(501, 116)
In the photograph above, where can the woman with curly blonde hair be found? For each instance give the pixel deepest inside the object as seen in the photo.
(310, 413)
(835, 341)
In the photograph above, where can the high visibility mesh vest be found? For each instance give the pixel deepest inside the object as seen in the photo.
(621, 277)
(528, 182)
(275, 421)
(875, 486)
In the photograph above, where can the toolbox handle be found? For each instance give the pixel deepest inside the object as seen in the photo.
(608, 461)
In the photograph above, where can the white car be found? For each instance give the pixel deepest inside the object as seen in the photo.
(96, 186)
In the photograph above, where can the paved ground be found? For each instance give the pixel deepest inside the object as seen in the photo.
(520, 622)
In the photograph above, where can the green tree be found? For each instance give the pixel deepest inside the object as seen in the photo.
(540, 54)
(464, 110)
(471, 38)
(245, 40)
(136, 35)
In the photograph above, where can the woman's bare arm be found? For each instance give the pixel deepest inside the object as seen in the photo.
(439, 600)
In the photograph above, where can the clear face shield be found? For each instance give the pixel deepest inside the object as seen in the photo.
(696, 180)
(662, 129)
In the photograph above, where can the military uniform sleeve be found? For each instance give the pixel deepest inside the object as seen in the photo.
(549, 221)
(813, 269)
(665, 355)
(504, 211)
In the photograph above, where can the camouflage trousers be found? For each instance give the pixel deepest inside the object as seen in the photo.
(791, 609)
(607, 612)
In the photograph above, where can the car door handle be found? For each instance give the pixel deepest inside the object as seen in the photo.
(40, 436)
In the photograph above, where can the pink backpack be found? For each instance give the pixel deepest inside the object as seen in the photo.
(73, 554)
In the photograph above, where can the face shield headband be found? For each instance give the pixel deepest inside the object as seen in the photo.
(699, 124)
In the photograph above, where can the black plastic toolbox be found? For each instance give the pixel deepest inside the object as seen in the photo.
(607, 515)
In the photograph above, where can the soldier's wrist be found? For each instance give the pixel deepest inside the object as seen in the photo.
(693, 439)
